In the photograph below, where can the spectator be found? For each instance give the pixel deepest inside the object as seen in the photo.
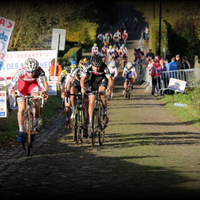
(52, 68)
(155, 74)
(150, 54)
(165, 75)
(179, 62)
(172, 67)
(186, 64)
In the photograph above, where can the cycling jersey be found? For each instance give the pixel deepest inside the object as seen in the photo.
(126, 70)
(103, 71)
(95, 50)
(113, 72)
(97, 79)
(129, 73)
(25, 84)
(76, 73)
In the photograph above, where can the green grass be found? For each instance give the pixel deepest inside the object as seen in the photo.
(9, 125)
(191, 98)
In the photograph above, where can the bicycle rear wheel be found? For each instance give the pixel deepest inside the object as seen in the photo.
(101, 128)
(74, 127)
(79, 130)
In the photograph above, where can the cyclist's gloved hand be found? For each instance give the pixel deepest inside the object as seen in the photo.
(83, 90)
(45, 95)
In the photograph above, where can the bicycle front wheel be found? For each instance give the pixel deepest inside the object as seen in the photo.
(29, 131)
(94, 126)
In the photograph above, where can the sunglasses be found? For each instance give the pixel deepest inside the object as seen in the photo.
(30, 72)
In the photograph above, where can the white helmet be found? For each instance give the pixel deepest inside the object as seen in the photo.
(31, 64)
(129, 64)
(112, 64)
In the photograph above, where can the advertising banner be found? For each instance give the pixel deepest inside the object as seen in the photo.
(177, 85)
(3, 104)
(15, 60)
(6, 28)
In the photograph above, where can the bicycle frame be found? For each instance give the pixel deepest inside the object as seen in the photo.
(127, 93)
(97, 118)
(78, 121)
(29, 137)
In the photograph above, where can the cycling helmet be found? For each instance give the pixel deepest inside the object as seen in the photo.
(123, 45)
(110, 46)
(31, 64)
(112, 64)
(73, 63)
(95, 44)
(96, 60)
(129, 64)
(85, 60)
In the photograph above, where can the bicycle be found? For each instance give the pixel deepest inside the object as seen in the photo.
(30, 130)
(98, 125)
(78, 122)
(128, 91)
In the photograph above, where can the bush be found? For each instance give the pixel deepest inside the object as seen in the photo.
(81, 31)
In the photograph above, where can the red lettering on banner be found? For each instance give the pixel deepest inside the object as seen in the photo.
(2, 22)
(2, 95)
(10, 25)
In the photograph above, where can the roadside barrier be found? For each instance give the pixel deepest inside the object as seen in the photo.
(190, 76)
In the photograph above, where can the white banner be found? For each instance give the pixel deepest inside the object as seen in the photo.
(15, 60)
(6, 28)
(177, 85)
(3, 104)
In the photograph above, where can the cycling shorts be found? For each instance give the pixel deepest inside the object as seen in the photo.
(128, 75)
(97, 81)
(25, 87)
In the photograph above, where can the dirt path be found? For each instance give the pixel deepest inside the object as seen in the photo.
(147, 152)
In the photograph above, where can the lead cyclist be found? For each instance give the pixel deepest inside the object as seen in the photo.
(29, 79)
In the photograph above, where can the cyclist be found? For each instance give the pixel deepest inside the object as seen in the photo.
(63, 80)
(110, 52)
(129, 73)
(29, 79)
(114, 73)
(73, 87)
(103, 53)
(117, 37)
(99, 75)
(125, 36)
(123, 52)
(95, 49)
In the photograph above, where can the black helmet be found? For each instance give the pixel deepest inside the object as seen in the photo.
(96, 60)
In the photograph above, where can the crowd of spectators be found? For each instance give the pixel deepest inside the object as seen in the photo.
(156, 65)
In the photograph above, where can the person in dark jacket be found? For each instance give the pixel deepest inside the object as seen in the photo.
(179, 62)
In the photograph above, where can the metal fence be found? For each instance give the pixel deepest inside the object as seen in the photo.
(161, 83)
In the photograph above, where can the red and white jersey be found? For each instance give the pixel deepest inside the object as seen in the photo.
(38, 78)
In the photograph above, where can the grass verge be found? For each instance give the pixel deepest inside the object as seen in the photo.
(9, 125)
(190, 99)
